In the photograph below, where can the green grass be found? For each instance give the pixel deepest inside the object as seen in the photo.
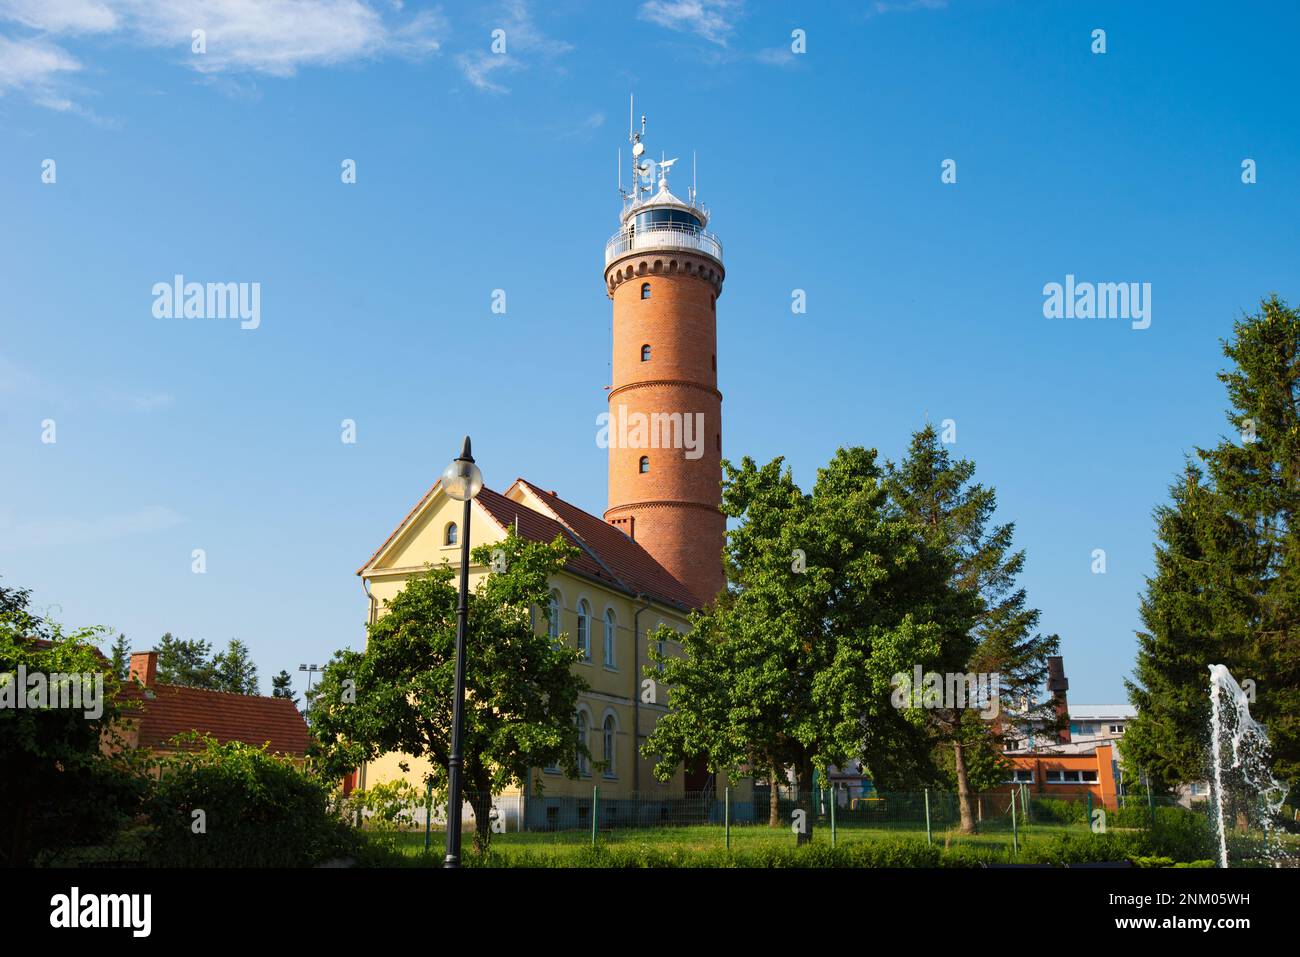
(744, 839)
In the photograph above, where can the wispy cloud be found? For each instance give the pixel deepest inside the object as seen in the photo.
(268, 37)
(36, 67)
(141, 401)
(78, 531)
(523, 40)
(904, 6)
(714, 20)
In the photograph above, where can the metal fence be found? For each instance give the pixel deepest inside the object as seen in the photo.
(730, 818)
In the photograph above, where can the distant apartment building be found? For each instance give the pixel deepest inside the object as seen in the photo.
(1078, 757)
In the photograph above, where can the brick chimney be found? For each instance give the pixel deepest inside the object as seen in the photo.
(1058, 685)
(144, 667)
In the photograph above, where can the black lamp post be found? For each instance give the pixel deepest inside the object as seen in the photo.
(462, 481)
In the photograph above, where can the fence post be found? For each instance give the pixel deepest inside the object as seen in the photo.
(595, 810)
(726, 814)
(833, 802)
(1015, 834)
(929, 837)
(428, 815)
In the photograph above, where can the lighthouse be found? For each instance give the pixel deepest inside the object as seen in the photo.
(664, 272)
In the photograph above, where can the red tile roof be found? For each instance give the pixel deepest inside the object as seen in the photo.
(621, 556)
(227, 717)
(605, 554)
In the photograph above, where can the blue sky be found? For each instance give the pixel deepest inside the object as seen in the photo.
(479, 171)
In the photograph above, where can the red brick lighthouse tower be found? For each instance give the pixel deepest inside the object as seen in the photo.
(664, 272)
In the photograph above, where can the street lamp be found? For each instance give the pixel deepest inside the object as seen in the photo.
(312, 671)
(462, 481)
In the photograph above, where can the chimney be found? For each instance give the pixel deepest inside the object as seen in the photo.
(1058, 685)
(144, 667)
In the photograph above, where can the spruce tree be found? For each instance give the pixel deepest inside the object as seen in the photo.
(1226, 588)
(235, 671)
(954, 515)
(282, 687)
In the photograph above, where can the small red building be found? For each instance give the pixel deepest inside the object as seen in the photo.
(164, 711)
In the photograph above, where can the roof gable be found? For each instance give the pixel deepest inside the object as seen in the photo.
(605, 554)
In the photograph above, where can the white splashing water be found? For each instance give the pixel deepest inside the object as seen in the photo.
(1230, 718)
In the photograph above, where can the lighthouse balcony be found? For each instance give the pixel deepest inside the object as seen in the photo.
(667, 236)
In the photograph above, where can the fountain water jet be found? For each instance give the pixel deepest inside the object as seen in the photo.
(1250, 760)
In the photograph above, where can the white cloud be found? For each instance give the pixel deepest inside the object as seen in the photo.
(714, 20)
(270, 37)
(74, 531)
(522, 36)
(905, 6)
(35, 67)
(61, 16)
(141, 402)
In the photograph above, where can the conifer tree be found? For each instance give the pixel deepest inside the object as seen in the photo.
(953, 514)
(1226, 587)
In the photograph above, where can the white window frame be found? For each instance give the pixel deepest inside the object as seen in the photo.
(611, 639)
(556, 609)
(584, 629)
(609, 743)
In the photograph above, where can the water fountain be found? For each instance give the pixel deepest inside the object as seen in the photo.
(1230, 721)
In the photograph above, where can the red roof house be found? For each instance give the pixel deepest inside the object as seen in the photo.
(164, 711)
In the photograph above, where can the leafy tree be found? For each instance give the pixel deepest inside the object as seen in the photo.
(954, 515)
(521, 688)
(282, 687)
(830, 595)
(58, 786)
(1226, 587)
(235, 671)
(186, 662)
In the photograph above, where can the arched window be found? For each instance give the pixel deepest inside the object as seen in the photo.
(607, 745)
(610, 625)
(645, 463)
(645, 353)
(645, 290)
(584, 629)
(553, 629)
(583, 766)
(449, 534)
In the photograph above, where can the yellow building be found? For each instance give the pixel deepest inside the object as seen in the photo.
(609, 598)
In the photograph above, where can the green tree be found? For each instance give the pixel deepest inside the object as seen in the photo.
(521, 688)
(186, 662)
(954, 514)
(235, 671)
(829, 597)
(120, 656)
(282, 687)
(58, 786)
(1226, 587)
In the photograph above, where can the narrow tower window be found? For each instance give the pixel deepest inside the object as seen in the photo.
(645, 353)
(645, 463)
(645, 290)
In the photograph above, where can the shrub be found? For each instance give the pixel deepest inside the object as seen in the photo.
(257, 810)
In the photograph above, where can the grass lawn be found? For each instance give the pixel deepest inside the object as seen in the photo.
(705, 837)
